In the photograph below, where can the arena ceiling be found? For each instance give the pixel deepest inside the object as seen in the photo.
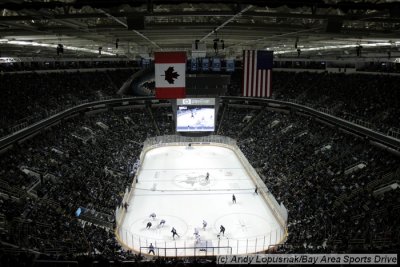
(317, 28)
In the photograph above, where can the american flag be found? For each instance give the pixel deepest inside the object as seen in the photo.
(257, 73)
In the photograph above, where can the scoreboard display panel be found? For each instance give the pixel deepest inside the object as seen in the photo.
(195, 115)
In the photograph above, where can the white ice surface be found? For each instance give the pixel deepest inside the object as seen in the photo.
(172, 184)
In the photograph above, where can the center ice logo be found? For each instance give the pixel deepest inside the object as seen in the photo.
(192, 180)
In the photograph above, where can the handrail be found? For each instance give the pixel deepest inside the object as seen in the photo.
(370, 134)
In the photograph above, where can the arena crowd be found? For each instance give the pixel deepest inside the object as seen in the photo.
(26, 98)
(323, 176)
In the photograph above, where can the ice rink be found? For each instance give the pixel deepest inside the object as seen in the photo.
(172, 184)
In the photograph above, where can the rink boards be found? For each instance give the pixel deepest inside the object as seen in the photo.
(172, 184)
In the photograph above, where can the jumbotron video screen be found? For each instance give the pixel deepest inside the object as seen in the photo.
(195, 115)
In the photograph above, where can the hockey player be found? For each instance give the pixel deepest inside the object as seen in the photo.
(174, 233)
(233, 199)
(148, 225)
(222, 230)
(153, 215)
(198, 240)
(207, 176)
(196, 232)
(256, 190)
(151, 248)
(162, 222)
(204, 225)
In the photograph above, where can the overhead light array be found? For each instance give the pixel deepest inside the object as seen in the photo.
(65, 47)
(332, 47)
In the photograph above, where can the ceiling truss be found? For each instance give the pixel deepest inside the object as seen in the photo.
(148, 25)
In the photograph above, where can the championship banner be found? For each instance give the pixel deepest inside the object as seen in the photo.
(230, 65)
(170, 69)
(216, 64)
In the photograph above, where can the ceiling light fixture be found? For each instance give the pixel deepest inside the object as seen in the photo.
(66, 47)
(332, 47)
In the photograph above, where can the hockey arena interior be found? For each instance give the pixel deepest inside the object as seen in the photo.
(273, 128)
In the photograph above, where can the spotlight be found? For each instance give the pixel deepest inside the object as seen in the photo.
(216, 45)
(358, 50)
(60, 49)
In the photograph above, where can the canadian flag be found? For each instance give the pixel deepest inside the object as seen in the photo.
(170, 68)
